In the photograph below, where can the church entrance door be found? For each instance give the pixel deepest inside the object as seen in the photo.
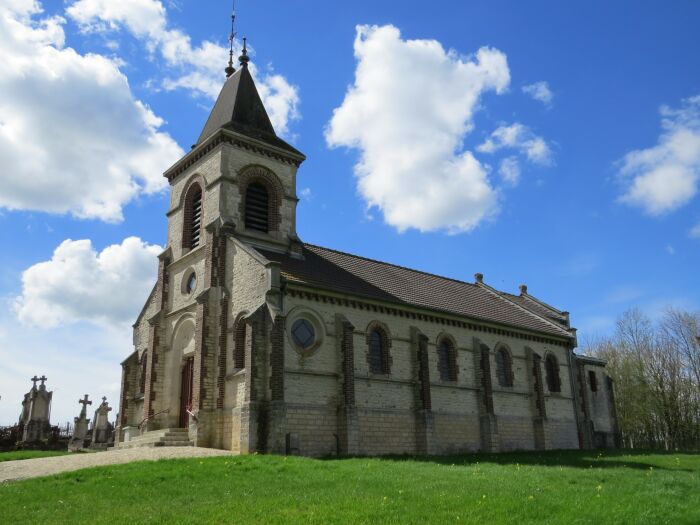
(186, 391)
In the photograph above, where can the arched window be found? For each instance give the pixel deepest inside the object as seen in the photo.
(593, 380)
(256, 208)
(447, 360)
(504, 367)
(239, 345)
(552, 368)
(378, 352)
(192, 224)
(142, 378)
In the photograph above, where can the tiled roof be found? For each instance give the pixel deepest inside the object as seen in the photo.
(354, 275)
(539, 308)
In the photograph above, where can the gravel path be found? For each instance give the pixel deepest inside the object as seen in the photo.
(34, 468)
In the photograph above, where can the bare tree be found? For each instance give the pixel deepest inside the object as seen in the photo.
(656, 369)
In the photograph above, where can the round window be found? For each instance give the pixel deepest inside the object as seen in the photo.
(303, 334)
(191, 283)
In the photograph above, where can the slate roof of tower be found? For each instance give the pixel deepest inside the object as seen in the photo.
(239, 108)
(354, 275)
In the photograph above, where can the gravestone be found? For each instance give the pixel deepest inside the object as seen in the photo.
(80, 430)
(102, 429)
(36, 410)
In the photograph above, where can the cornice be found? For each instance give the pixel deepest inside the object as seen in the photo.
(326, 296)
(224, 136)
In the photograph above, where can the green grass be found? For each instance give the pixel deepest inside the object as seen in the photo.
(555, 487)
(30, 454)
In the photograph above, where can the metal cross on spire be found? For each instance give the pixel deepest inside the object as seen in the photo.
(230, 70)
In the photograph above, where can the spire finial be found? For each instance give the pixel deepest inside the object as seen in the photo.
(230, 70)
(244, 58)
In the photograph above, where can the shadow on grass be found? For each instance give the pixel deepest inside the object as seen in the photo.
(552, 458)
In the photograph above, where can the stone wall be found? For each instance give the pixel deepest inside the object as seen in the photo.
(386, 405)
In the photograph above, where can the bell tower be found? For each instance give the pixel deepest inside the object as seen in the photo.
(239, 173)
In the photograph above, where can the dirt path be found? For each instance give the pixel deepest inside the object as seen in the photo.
(34, 468)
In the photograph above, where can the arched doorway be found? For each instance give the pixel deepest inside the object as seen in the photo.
(181, 371)
(186, 377)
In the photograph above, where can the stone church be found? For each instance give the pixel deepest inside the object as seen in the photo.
(253, 340)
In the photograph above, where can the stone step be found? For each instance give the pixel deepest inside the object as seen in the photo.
(183, 443)
(166, 437)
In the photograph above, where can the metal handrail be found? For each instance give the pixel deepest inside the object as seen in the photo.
(188, 409)
(150, 417)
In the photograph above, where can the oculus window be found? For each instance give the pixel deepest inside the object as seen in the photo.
(303, 334)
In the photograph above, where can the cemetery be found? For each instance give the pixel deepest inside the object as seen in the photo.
(34, 431)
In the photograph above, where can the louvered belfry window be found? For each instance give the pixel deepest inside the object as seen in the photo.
(196, 219)
(256, 208)
(192, 221)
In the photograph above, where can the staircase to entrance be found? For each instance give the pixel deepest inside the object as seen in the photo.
(167, 437)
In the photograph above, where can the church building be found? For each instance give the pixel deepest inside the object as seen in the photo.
(254, 341)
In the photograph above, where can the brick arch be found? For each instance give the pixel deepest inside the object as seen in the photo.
(194, 185)
(385, 339)
(504, 365)
(447, 365)
(196, 178)
(261, 175)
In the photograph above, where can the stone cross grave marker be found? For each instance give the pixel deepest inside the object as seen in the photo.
(80, 429)
(101, 427)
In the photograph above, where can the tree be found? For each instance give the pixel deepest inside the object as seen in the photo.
(656, 370)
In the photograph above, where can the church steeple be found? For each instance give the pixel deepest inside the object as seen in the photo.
(239, 108)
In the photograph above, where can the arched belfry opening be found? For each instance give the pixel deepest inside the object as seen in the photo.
(192, 223)
(257, 206)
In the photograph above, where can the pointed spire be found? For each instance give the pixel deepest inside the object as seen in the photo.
(230, 70)
(244, 58)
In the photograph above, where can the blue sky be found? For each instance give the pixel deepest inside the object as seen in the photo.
(565, 218)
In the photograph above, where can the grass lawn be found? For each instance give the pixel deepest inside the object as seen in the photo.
(30, 454)
(554, 487)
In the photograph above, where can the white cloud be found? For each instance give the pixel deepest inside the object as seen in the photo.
(665, 177)
(520, 137)
(204, 64)
(670, 249)
(540, 91)
(79, 284)
(695, 231)
(408, 111)
(306, 194)
(73, 139)
(509, 170)
(77, 359)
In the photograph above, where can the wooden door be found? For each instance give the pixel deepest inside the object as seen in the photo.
(186, 391)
